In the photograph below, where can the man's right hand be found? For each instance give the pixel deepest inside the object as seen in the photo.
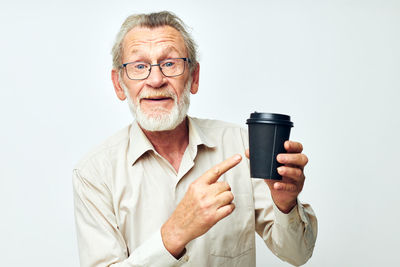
(205, 203)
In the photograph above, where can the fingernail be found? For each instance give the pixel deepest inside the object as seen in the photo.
(237, 157)
(280, 170)
(277, 186)
(280, 158)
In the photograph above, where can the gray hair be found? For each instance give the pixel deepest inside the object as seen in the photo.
(154, 20)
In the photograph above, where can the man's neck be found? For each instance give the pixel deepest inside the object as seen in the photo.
(172, 144)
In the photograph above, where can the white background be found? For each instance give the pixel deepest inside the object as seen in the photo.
(332, 65)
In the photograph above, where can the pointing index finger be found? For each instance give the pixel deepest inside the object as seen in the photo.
(212, 175)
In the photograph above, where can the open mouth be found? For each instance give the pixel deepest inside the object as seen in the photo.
(157, 98)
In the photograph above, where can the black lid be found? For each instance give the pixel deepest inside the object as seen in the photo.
(270, 118)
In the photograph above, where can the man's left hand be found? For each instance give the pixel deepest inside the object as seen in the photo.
(284, 192)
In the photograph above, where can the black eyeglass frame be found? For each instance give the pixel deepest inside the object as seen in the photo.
(185, 59)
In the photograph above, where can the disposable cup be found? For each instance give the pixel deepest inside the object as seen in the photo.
(267, 135)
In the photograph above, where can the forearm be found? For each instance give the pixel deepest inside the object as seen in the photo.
(289, 236)
(150, 253)
(173, 239)
(292, 236)
(100, 242)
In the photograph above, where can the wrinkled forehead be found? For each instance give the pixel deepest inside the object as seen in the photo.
(151, 40)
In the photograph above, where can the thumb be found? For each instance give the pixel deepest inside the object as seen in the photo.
(247, 152)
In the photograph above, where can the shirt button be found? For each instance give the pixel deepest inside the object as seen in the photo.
(186, 258)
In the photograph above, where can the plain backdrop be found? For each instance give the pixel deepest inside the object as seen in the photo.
(334, 66)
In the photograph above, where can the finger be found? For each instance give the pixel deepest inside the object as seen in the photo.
(212, 175)
(247, 153)
(219, 187)
(291, 172)
(224, 198)
(285, 187)
(293, 147)
(299, 160)
(224, 211)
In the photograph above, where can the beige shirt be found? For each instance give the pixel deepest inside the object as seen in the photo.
(124, 191)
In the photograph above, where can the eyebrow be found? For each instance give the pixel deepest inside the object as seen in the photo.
(166, 51)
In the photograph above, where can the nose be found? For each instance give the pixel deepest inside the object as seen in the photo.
(156, 79)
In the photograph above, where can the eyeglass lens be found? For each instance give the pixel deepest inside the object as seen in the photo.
(169, 67)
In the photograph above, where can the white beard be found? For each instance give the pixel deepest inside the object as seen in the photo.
(163, 119)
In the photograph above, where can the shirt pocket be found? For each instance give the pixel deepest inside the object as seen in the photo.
(233, 236)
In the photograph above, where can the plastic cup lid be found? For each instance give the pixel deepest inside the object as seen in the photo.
(269, 118)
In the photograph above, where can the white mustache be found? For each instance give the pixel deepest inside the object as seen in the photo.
(157, 94)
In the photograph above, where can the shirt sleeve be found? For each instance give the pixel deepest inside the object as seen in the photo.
(100, 241)
(290, 236)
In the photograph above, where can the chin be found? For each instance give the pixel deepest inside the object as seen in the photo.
(159, 121)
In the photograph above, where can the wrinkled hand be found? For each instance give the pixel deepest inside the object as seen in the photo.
(284, 192)
(204, 204)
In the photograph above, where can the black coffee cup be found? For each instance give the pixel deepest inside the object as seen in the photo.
(267, 135)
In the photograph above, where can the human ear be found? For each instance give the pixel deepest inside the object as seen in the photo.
(119, 91)
(195, 79)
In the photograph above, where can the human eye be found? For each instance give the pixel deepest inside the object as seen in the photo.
(140, 65)
(168, 63)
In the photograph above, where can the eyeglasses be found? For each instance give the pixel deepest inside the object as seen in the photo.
(170, 67)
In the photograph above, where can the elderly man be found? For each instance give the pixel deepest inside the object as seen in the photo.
(172, 190)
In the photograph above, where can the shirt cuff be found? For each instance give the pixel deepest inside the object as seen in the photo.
(154, 253)
(293, 217)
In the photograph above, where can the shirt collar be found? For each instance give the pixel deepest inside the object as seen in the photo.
(197, 136)
(139, 144)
